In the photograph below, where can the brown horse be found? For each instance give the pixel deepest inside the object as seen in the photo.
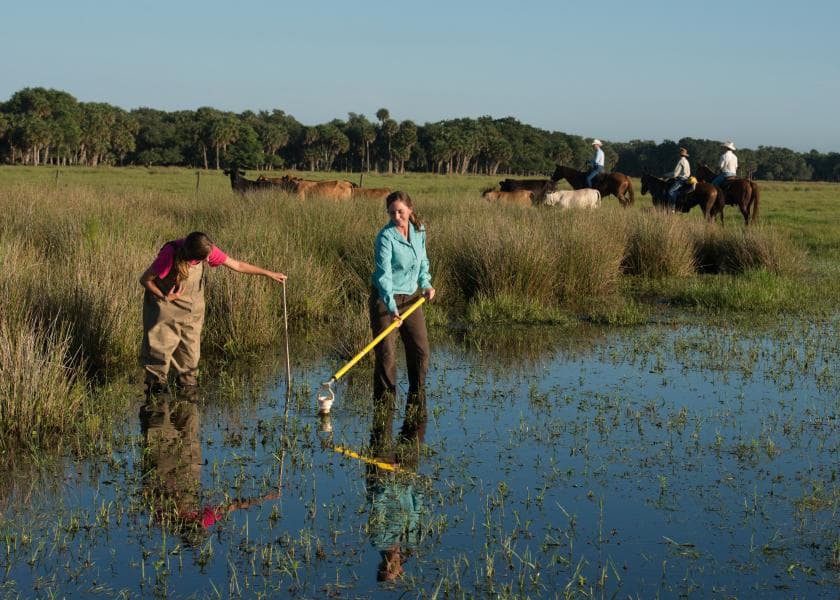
(615, 183)
(710, 199)
(705, 195)
(742, 193)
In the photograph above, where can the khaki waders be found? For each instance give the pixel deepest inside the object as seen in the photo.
(172, 330)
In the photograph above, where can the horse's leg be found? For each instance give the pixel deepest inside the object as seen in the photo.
(745, 211)
(622, 195)
(615, 192)
(746, 203)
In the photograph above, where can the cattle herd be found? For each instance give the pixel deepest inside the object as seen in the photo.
(522, 192)
(339, 189)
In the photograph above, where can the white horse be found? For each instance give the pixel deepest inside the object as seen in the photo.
(585, 198)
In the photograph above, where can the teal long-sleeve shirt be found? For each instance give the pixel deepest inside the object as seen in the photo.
(401, 265)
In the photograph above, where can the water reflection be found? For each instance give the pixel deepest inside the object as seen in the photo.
(656, 435)
(172, 465)
(396, 502)
(502, 349)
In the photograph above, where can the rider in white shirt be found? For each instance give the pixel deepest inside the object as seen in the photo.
(728, 165)
(680, 174)
(597, 163)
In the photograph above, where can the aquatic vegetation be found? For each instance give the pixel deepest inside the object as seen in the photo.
(655, 461)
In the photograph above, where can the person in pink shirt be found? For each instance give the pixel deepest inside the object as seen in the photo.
(173, 307)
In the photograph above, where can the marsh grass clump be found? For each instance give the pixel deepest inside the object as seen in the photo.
(95, 294)
(756, 292)
(39, 381)
(618, 310)
(658, 245)
(505, 308)
(496, 259)
(542, 260)
(589, 250)
(738, 251)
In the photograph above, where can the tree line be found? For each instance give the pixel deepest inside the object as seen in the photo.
(40, 126)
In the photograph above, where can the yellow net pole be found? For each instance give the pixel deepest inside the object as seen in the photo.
(352, 362)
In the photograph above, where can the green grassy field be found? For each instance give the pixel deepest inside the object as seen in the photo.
(806, 210)
(74, 242)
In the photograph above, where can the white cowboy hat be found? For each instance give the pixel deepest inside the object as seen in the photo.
(596, 142)
(683, 152)
(728, 146)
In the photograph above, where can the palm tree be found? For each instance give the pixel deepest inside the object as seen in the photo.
(405, 139)
(205, 117)
(223, 132)
(388, 127)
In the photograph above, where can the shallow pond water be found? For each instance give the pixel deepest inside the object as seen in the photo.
(663, 461)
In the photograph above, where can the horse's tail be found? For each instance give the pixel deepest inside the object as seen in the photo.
(755, 197)
(630, 189)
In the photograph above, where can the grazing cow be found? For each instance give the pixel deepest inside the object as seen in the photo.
(334, 190)
(520, 197)
(585, 198)
(371, 193)
(539, 186)
(243, 186)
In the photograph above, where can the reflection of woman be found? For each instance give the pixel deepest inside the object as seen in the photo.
(173, 306)
(172, 465)
(396, 503)
(401, 271)
(172, 470)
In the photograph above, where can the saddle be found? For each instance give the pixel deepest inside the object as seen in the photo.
(686, 188)
(726, 182)
(599, 178)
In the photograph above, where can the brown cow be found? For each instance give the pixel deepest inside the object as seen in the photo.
(334, 190)
(520, 197)
(371, 193)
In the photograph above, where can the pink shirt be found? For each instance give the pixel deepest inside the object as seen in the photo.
(163, 263)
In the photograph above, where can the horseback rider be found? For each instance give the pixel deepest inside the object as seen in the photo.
(680, 175)
(596, 164)
(728, 165)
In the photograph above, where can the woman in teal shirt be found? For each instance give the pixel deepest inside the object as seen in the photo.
(400, 276)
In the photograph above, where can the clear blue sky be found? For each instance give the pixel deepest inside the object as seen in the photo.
(759, 73)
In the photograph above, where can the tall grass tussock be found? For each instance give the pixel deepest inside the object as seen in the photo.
(40, 388)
